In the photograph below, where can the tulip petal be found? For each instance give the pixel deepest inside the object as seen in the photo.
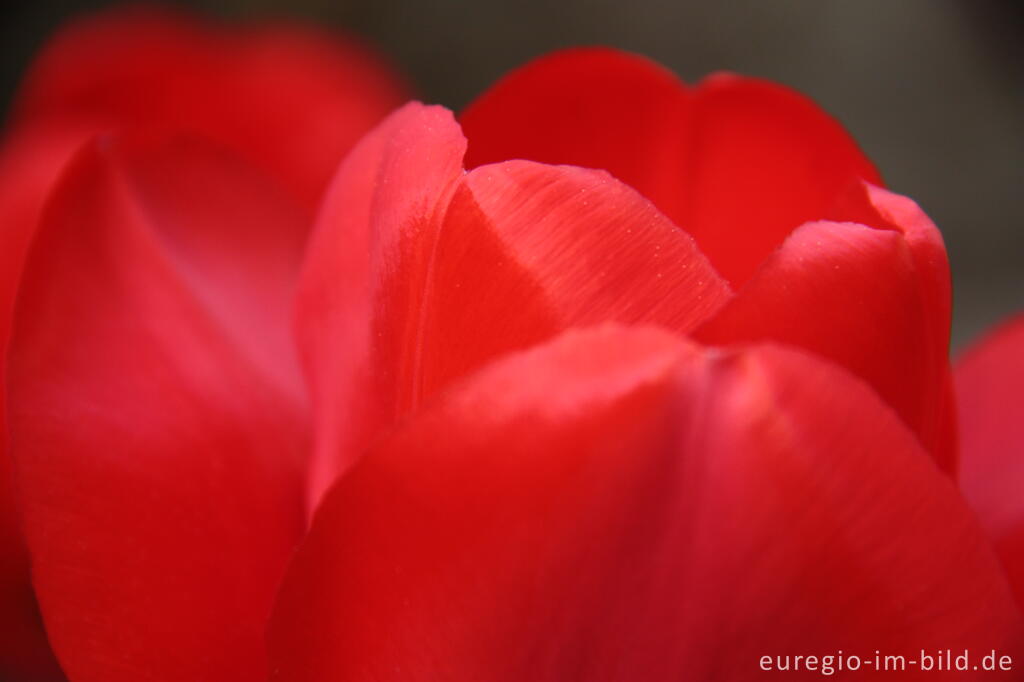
(157, 441)
(736, 162)
(766, 160)
(24, 650)
(873, 299)
(990, 396)
(596, 108)
(622, 505)
(389, 196)
(420, 273)
(29, 164)
(286, 97)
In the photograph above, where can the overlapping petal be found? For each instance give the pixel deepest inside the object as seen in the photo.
(419, 273)
(156, 422)
(990, 397)
(741, 164)
(872, 296)
(613, 505)
(622, 505)
(736, 162)
(288, 99)
(28, 164)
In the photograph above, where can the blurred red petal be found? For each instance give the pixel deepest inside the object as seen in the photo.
(290, 99)
(420, 273)
(873, 299)
(25, 654)
(990, 395)
(29, 164)
(736, 162)
(621, 505)
(154, 416)
(287, 97)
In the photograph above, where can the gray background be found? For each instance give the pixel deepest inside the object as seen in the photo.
(933, 90)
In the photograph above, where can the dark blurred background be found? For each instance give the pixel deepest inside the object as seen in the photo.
(932, 89)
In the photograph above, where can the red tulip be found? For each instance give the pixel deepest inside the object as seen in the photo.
(511, 463)
(767, 185)
(666, 523)
(286, 101)
(861, 279)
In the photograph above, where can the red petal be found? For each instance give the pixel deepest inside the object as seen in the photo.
(443, 272)
(766, 159)
(287, 97)
(990, 393)
(157, 442)
(387, 199)
(873, 300)
(738, 162)
(24, 651)
(29, 164)
(619, 505)
(596, 108)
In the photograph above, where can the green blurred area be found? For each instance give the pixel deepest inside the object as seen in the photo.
(933, 90)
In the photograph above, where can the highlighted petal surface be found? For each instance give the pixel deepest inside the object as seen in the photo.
(286, 98)
(741, 164)
(873, 296)
(420, 273)
(622, 505)
(736, 162)
(155, 417)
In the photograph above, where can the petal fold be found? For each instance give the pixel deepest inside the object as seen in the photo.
(736, 162)
(872, 297)
(28, 165)
(420, 273)
(286, 98)
(592, 107)
(157, 431)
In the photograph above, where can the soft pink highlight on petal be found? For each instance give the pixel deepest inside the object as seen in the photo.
(156, 428)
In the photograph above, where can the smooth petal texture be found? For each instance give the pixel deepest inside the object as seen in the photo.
(156, 432)
(622, 505)
(596, 108)
(736, 162)
(289, 98)
(420, 273)
(24, 652)
(990, 396)
(28, 165)
(873, 296)
(396, 180)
